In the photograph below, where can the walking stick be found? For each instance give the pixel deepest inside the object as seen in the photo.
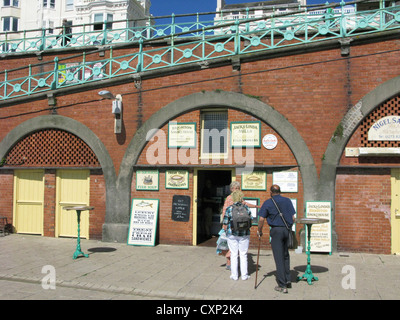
(258, 256)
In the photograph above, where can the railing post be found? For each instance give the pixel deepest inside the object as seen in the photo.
(43, 40)
(54, 84)
(173, 25)
(140, 57)
(103, 41)
(237, 37)
(343, 29)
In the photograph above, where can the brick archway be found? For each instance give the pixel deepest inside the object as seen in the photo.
(117, 230)
(350, 122)
(79, 130)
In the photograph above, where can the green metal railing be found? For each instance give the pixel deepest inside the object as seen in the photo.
(236, 38)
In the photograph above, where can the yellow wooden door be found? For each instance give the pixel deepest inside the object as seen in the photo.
(395, 211)
(28, 201)
(72, 190)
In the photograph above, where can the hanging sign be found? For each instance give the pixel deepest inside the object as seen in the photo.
(321, 233)
(143, 222)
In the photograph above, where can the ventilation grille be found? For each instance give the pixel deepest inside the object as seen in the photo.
(388, 108)
(51, 148)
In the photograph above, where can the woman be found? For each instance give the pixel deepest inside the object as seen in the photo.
(238, 241)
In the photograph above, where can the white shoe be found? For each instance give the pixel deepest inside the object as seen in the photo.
(245, 277)
(233, 278)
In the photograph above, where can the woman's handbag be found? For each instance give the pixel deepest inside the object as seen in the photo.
(292, 241)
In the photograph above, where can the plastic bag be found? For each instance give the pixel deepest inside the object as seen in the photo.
(222, 242)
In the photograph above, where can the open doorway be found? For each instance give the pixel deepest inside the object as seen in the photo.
(212, 189)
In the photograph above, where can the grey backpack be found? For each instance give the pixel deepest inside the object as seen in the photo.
(241, 220)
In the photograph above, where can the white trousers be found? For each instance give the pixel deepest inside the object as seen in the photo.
(238, 246)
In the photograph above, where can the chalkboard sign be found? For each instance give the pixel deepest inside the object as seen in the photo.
(180, 208)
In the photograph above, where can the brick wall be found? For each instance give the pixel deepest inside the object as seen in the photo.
(363, 210)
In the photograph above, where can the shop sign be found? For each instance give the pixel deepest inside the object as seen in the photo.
(143, 222)
(256, 180)
(385, 129)
(246, 134)
(182, 135)
(177, 179)
(321, 233)
(147, 180)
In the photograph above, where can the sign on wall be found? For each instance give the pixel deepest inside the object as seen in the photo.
(246, 134)
(286, 180)
(180, 208)
(321, 233)
(385, 129)
(147, 180)
(182, 134)
(143, 222)
(255, 180)
(177, 179)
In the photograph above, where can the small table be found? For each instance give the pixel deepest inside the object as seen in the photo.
(308, 275)
(78, 209)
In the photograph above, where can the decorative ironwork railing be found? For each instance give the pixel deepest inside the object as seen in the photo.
(227, 39)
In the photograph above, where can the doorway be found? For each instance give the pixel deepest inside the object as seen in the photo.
(28, 201)
(395, 211)
(212, 187)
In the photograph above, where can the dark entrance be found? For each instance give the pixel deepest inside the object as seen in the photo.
(213, 186)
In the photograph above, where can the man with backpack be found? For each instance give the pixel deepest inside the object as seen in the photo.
(237, 224)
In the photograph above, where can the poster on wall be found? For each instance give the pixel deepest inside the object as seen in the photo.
(182, 134)
(287, 180)
(254, 211)
(147, 180)
(246, 134)
(143, 222)
(321, 233)
(177, 179)
(256, 180)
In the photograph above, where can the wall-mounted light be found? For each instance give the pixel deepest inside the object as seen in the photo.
(116, 108)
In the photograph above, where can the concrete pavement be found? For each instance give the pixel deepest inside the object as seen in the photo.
(42, 268)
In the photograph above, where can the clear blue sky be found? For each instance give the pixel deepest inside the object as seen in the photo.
(167, 7)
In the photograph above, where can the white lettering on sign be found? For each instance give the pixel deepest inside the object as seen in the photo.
(385, 129)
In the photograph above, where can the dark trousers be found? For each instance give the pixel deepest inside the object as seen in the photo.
(279, 238)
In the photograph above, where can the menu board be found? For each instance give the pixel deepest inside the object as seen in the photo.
(321, 233)
(180, 208)
(143, 222)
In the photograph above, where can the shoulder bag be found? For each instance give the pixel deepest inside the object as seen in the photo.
(292, 241)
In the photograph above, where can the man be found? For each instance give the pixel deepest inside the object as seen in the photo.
(279, 234)
(238, 240)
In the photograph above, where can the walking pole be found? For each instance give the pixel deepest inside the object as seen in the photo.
(258, 256)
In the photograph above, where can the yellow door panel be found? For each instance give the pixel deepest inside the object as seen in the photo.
(28, 201)
(72, 190)
(395, 211)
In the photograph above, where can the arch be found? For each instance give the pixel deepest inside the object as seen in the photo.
(201, 100)
(350, 122)
(81, 131)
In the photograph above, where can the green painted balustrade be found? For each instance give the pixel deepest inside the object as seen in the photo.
(190, 43)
